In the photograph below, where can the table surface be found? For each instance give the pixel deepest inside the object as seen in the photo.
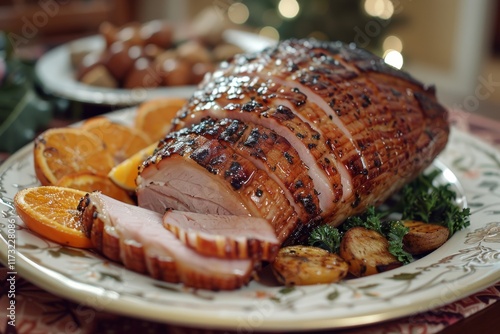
(477, 313)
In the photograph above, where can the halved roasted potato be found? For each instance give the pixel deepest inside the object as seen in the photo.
(307, 265)
(424, 237)
(366, 252)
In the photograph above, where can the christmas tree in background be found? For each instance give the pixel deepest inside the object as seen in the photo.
(361, 21)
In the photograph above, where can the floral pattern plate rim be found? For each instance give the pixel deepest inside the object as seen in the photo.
(467, 263)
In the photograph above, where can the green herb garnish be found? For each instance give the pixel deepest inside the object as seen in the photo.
(424, 201)
(395, 231)
(371, 219)
(326, 237)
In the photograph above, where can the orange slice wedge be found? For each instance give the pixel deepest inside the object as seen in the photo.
(62, 151)
(52, 212)
(125, 173)
(89, 182)
(122, 141)
(154, 117)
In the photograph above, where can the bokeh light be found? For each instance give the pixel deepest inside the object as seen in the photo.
(392, 43)
(288, 8)
(379, 8)
(388, 10)
(270, 32)
(393, 58)
(238, 13)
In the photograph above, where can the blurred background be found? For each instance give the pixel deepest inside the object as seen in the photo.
(453, 44)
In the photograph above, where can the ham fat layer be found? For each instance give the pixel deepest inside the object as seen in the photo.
(224, 236)
(136, 237)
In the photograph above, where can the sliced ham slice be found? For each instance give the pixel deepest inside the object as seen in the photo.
(198, 174)
(307, 142)
(136, 237)
(269, 152)
(224, 236)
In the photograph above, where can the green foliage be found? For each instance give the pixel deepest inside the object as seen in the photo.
(371, 219)
(395, 231)
(326, 237)
(22, 110)
(422, 200)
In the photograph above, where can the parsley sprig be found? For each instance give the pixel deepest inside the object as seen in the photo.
(425, 201)
(326, 237)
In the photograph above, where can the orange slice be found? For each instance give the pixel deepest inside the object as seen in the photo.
(89, 182)
(52, 212)
(121, 140)
(96, 119)
(126, 172)
(154, 117)
(62, 151)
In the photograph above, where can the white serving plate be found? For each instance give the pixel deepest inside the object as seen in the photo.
(467, 263)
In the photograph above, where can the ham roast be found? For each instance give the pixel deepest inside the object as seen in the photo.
(271, 145)
(300, 134)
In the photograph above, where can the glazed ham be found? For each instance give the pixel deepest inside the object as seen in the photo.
(234, 185)
(137, 238)
(300, 134)
(224, 236)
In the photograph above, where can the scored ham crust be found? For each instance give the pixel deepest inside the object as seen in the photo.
(299, 134)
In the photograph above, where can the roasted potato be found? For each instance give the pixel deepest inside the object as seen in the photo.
(307, 265)
(423, 237)
(366, 252)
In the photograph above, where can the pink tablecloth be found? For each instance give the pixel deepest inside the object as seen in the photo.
(38, 311)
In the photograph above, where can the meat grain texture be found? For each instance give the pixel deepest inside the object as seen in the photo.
(300, 134)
